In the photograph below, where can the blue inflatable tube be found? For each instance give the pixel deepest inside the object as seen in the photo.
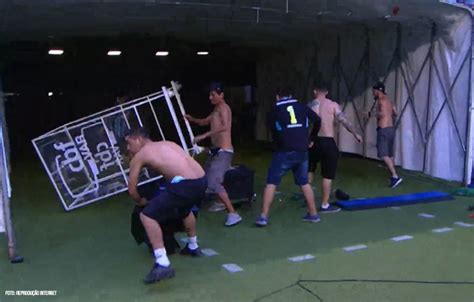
(391, 201)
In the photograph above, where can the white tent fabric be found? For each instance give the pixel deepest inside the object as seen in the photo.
(2, 222)
(419, 63)
(5, 144)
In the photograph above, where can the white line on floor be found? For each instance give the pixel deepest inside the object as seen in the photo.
(401, 238)
(209, 252)
(354, 247)
(232, 268)
(463, 224)
(424, 215)
(301, 258)
(442, 230)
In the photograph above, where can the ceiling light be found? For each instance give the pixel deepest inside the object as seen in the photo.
(114, 53)
(50, 93)
(55, 52)
(202, 53)
(161, 53)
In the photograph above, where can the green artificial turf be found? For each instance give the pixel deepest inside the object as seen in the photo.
(89, 254)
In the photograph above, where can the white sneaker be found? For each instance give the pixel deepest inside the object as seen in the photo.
(233, 219)
(217, 207)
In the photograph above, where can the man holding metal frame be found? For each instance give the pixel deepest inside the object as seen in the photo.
(185, 188)
(220, 155)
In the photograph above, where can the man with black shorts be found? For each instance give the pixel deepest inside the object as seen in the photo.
(323, 148)
(221, 153)
(185, 188)
(289, 120)
(385, 112)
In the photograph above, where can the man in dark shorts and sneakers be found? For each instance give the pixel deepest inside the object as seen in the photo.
(289, 120)
(385, 112)
(220, 155)
(324, 149)
(185, 188)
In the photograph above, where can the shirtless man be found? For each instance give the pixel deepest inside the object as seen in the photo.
(186, 187)
(220, 155)
(324, 149)
(385, 111)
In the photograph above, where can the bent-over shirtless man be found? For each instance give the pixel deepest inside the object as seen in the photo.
(185, 188)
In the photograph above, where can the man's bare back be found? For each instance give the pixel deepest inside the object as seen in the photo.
(164, 157)
(168, 159)
(330, 111)
(385, 112)
(326, 109)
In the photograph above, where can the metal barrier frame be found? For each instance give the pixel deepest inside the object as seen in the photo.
(169, 95)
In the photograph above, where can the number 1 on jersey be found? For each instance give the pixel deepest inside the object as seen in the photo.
(291, 110)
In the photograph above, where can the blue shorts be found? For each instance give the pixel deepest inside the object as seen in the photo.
(282, 162)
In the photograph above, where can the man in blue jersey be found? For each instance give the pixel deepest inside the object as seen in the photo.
(289, 121)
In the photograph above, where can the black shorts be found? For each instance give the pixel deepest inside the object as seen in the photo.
(176, 202)
(325, 151)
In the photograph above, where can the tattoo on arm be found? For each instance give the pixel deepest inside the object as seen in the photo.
(314, 104)
(342, 118)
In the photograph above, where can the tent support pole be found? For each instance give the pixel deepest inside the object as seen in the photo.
(367, 71)
(338, 62)
(5, 191)
(448, 99)
(470, 118)
(337, 66)
(397, 60)
(427, 138)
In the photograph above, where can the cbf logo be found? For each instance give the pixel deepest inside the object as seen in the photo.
(76, 180)
(79, 168)
(70, 158)
(103, 158)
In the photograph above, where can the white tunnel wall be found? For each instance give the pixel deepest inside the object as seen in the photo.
(4, 172)
(2, 217)
(470, 148)
(2, 115)
(398, 54)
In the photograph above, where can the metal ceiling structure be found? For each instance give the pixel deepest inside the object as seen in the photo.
(249, 21)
